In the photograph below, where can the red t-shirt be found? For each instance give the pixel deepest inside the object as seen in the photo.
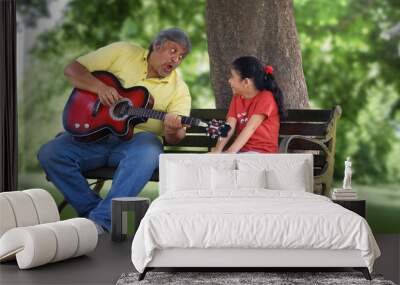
(265, 137)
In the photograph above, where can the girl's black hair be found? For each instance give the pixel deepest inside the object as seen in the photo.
(250, 67)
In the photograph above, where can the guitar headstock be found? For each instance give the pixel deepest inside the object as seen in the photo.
(217, 128)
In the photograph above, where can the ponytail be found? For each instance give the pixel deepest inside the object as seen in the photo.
(271, 85)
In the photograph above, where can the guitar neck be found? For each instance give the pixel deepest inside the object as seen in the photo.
(159, 115)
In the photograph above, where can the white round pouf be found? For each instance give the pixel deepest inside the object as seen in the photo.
(23, 208)
(87, 234)
(32, 246)
(40, 244)
(45, 205)
(7, 220)
(67, 240)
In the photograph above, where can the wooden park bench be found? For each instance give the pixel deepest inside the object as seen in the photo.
(303, 131)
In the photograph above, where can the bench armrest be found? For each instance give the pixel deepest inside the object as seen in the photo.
(284, 144)
(321, 177)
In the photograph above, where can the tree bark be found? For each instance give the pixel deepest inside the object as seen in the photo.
(262, 28)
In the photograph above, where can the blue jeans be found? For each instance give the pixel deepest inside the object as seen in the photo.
(64, 159)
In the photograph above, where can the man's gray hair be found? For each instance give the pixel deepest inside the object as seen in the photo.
(173, 34)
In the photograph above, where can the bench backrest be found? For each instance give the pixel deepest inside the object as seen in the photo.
(313, 123)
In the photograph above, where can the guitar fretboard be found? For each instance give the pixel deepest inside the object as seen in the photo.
(159, 115)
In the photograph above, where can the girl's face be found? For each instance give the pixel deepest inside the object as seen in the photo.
(237, 84)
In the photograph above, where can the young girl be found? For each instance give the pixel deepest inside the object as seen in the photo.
(255, 110)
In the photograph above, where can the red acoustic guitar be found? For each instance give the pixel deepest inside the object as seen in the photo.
(87, 119)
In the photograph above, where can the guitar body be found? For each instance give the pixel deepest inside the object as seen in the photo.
(87, 119)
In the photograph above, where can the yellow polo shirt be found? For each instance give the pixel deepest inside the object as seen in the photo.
(128, 62)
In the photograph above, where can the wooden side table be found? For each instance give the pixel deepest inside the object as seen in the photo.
(357, 206)
(119, 209)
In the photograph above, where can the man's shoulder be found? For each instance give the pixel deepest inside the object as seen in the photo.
(177, 79)
(181, 85)
(127, 46)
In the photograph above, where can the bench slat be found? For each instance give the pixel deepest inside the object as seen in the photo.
(286, 128)
(208, 114)
(100, 173)
(196, 130)
(304, 129)
(308, 115)
(205, 150)
(108, 172)
(196, 141)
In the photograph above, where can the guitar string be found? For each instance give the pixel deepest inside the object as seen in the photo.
(142, 112)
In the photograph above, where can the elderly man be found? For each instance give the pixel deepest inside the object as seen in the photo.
(64, 158)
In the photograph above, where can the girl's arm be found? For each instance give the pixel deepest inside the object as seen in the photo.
(247, 132)
(223, 141)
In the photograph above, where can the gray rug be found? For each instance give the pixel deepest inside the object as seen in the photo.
(243, 278)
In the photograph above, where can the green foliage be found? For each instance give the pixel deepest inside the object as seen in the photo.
(348, 62)
(40, 112)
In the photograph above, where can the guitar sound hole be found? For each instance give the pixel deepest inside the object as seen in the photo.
(120, 110)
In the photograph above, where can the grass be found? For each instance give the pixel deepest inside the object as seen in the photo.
(383, 201)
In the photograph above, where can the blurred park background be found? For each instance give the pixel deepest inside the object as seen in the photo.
(350, 52)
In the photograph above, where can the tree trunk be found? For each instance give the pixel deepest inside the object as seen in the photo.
(262, 28)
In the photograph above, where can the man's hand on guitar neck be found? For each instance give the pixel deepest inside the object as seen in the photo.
(172, 122)
(174, 131)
